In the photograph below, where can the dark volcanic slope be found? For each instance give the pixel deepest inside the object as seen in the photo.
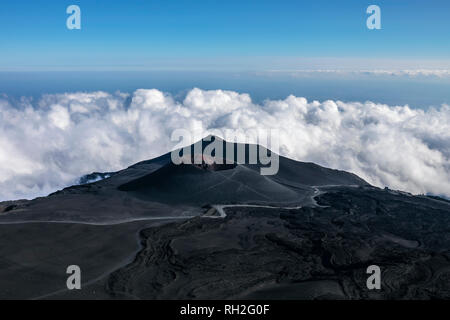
(190, 184)
(226, 231)
(237, 183)
(308, 253)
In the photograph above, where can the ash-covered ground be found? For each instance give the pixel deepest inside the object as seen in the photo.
(307, 253)
(160, 231)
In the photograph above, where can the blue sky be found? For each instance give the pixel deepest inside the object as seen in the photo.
(209, 35)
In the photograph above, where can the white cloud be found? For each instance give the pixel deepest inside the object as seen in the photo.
(48, 144)
(439, 73)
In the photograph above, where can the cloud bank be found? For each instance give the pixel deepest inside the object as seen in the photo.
(48, 144)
